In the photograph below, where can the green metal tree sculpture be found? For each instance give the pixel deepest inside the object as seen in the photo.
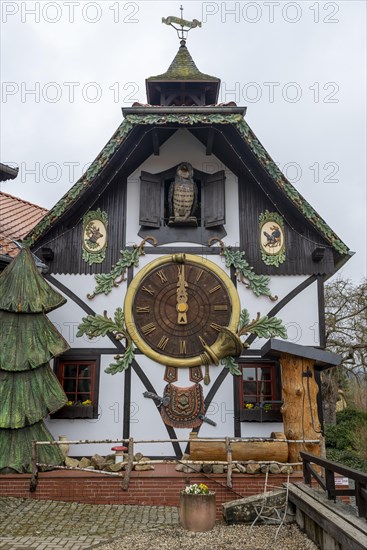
(29, 390)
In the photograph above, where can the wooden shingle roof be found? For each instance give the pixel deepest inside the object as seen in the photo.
(17, 218)
(183, 67)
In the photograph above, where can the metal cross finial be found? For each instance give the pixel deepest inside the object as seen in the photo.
(181, 32)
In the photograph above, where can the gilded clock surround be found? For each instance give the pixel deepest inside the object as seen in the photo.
(167, 303)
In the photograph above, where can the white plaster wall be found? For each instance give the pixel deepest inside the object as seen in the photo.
(107, 426)
(67, 318)
(300, 316)
(182, 147)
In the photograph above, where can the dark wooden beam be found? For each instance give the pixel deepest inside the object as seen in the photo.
(155, 143)
(209, 142)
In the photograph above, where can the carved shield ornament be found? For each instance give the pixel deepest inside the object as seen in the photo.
(95, 236)
(272, 238)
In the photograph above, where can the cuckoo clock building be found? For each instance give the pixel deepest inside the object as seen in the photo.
(193, 272)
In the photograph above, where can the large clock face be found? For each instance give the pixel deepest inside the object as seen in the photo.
(176, 305)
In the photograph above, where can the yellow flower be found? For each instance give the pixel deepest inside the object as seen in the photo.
(249, 406)
(69, 403)
(87, 402)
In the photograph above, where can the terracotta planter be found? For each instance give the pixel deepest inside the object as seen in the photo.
(197, 512)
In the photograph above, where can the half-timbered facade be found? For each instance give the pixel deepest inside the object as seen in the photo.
(183, 175)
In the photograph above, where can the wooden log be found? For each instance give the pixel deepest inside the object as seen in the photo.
(129, 467)
(241, 450)
(229, 460)
(299, 409)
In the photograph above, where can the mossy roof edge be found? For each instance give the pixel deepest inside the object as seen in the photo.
(248, 136)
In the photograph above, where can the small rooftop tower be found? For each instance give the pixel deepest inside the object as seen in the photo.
(182, 84)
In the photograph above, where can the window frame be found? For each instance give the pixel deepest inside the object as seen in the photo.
(259, 414)
(79, 411)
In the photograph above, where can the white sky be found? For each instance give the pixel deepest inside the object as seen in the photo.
(299, 67)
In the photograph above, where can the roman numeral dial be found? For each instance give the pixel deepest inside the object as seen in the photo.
(177, 305)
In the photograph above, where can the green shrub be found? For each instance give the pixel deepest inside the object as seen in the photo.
(345, 441)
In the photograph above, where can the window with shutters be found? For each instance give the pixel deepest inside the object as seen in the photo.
(155, 209)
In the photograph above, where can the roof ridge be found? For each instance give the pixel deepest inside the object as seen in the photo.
(24, 201)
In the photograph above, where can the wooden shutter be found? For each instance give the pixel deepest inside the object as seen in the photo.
(150, 200)
(214, 199)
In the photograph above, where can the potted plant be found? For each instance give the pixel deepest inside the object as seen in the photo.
(197, 508)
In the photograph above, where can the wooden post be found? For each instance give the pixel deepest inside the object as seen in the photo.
(299, 409)
(34, 478)
(229, 460)
(129, 467)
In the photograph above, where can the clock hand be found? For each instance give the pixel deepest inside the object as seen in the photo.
(181, 306)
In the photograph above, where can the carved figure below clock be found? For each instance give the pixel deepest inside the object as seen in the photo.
(182, 197)
(183, 310)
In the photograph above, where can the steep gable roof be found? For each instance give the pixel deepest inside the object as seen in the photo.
(222, 117)
(17, 218)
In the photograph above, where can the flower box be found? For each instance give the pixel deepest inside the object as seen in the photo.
(261, 415)
(75, 411)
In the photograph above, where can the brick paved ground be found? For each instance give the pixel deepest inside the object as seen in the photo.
(50, 525)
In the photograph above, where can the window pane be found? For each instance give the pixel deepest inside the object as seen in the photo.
(249, 373)
(249, 388)
(84, 385)
(265, 373)
(83, 396)
(84, 371)
(70, 371)
(69, 386)
(266, 389)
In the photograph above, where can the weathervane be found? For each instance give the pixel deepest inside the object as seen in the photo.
(181, 32)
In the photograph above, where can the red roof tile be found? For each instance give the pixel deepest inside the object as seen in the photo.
(17, 218)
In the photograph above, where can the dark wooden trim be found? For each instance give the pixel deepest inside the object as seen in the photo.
(127, 405)
(237, 406)
(351, 473)
(322, 359)
(155, 141)
(320, 410)
(204, 250)
(82, 352)
(321, 303)
(209, 142)
(127, 382)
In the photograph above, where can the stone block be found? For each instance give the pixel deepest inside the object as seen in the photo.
(243, 510)
(84, 462)
(98, 462)
(253, 468)
(138, 457)
(274, 469)
(218, 469)
(71, 462)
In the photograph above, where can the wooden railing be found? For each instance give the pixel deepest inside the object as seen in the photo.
(328, 482)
